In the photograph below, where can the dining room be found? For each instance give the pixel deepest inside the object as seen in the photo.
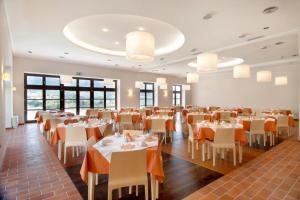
(140, 99)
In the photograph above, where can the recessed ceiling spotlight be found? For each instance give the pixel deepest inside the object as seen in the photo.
(279, 43)
(108, 60)
(255, 38)
(295, 55)
(194, 49)
(139, 65)
(264, 47)
(105, 30)
(208, 15)
(163, 68)
(270, 10)
(66, 53)
(282, 57)
(141, 28)
(266, 28)
(117, 42)
(161, 59)
(29, 51)
(243, 35)
(61, 57)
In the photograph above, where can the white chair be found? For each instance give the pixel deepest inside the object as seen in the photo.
(108, 130)
(225, 116)
(246, 111)
(159, 126)
(127, 169)
(257, 129)
(198, 118)
(224, 139)
(191, 141)
(106, 115)
(53, 124)
(126, 120)
(75, 137)
(283, 123)
(93, 113)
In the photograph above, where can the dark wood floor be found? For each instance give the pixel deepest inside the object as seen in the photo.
(182, 179)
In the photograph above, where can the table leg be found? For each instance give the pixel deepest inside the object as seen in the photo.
(59, 149)
(153, 187)
(91, 186)
(240, 153)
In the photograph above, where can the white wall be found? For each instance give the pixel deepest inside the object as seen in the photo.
(221, 89)
(127, 80)
(5, 66)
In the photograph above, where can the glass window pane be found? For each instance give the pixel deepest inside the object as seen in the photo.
(98, 94)
(54, 81)
(111, 85)
(52, 94)
(70, 103)
(99, 103)
(110, 95)
(31, 114)
(34, 104)
(178, 95)
(82, 111)
(34, 80)
(84, 103)
(149, 102)
(52, 104)
(149, 87)
(144, 87)
(84, 83)
(99, 84)
(142, 95)
(178, 88)
(142, 103)
(149, 95)
(70, 94)
(34, 94)
(110, 103)
(84, 94)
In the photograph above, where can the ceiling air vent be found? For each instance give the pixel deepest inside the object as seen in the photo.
(255, 38)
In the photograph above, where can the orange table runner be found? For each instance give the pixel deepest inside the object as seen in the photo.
(60, 134)
(208, 133)
(170, 125)
(47, 125)
(94, 162)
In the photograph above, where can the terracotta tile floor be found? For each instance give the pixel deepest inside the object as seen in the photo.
(31, 170)
(273, 175)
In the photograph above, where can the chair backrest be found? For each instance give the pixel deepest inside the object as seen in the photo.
(225, 116)
(282, 120)
(75, 135)
(198, 118)
(46, 116)
(54, 122)
(125, 118)
(128, 167)
(143, 112)
(158, 125)
(224, 136)
(133, 132)
(106, 115)
(257, 125)
(108, 130)
(191, 132)
(93, 113)
(246, 111)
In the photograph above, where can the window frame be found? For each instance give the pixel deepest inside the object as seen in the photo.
(62, 90)
(174, 94)
(146, 91)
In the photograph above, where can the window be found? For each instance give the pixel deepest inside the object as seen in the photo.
(147, 95)
(44, 92)
(176, 95)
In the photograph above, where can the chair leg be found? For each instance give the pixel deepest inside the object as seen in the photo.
(197, 146)
(65, 154)
(120, 192)
(203, 152)
(146, 190)
(73, 152)
(193, 149)
(214, 156)
(157, 189)
(136, 190)
(130, 189)
(208, 151)
(250, 139)
(77, 151)
(223, 153)
(264, 136)
(109, 194)
(234, 157)
(189, 146)
(165, 138)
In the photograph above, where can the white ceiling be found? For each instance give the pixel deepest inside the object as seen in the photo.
(37, 26)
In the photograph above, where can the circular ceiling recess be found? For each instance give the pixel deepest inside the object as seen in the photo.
(106, 34)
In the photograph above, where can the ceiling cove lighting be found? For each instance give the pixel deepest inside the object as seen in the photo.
(264, 76)
(186, 87)
(207, 62)
(140, 46)
(163, 86)
(192, 78)
(241, 71)
(139, 84)
(281, 80)
(66, 79)
(160, 81)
